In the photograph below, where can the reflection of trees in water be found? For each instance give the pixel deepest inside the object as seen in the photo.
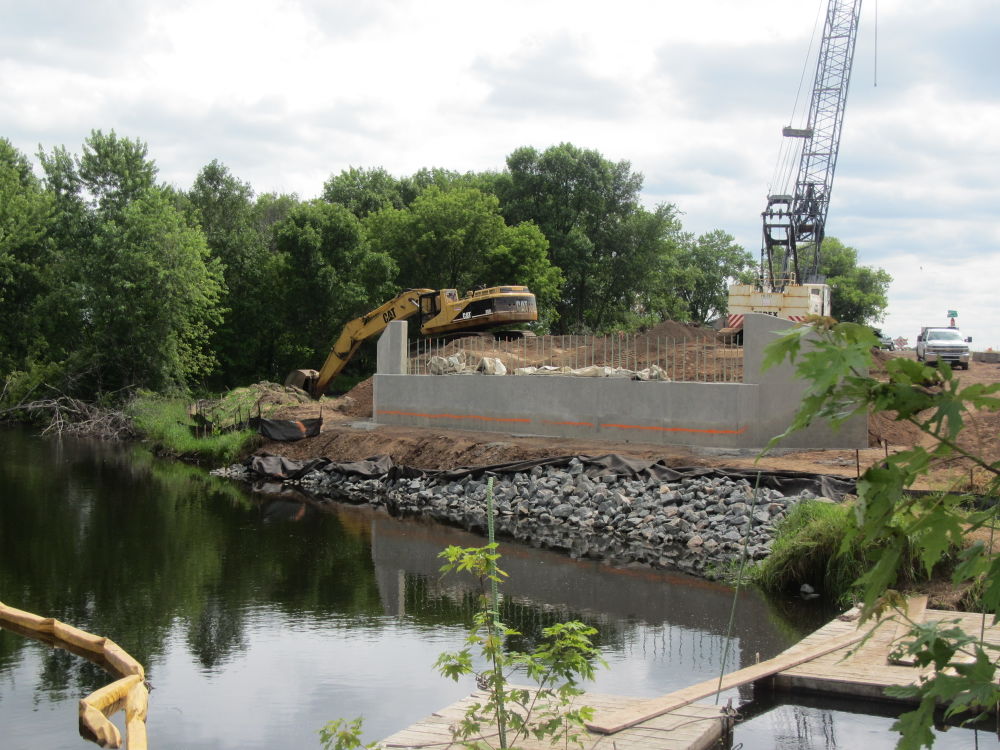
(120, 544)
(805, 728)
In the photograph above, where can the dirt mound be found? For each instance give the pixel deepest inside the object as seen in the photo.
(671, 329)
(267, 394)
(358, 401)
(884, 429)
(263, 398)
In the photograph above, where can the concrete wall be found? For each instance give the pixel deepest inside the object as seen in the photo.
(716, 415)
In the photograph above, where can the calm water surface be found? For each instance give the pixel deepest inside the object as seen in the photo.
(259, 618)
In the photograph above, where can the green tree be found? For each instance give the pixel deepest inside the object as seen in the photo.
(444, 179)
(583, 202)
(641, 276)
(329, 276)
(115, 171)
(25, 221)
(132, 295)
(858, 294)
(363, 191)
(151, 299)
(457, 239)
(712, 261)
(226, 213)
(960, 667)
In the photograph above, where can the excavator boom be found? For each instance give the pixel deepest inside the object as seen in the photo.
(401, 307)
(441, 311)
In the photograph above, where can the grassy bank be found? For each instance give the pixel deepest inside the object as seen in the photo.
(166, 424)
(810, 548)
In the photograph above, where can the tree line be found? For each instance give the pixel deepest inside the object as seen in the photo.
(112, 280)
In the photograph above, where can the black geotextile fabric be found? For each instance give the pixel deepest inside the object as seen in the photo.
(610, 464)
(286, 430)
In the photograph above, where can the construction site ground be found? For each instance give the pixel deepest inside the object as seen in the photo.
(349, 434)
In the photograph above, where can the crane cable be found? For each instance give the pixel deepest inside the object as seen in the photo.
(786, 163)
(875, 54)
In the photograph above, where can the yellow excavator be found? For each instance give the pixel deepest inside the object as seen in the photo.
(441, 311)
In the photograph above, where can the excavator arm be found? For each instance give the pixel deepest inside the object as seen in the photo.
(442, 313)
(403, 306)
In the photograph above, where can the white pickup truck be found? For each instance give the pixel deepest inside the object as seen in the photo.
(943, 345)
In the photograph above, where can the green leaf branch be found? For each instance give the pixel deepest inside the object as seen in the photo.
(835, 359)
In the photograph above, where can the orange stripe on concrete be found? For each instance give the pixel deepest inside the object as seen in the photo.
(569, 424)
(456, 416)
(676, 429)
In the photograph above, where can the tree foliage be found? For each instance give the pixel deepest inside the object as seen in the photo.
(611, 251)
(131, 296)
(25, 221)
(225, 210)
(834, 359)
(859, 294)
(363, 191)
(711, 263)
(86, 250)
(329, 275)
(457, 239)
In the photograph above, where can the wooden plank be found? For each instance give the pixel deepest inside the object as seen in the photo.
(649, 709)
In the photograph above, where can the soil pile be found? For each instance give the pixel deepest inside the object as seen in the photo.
(358, 401)
(883, 429)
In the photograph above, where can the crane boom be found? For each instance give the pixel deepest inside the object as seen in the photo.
(796, 223)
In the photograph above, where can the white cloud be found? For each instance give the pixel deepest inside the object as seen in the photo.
(288, 92)
(925, 289)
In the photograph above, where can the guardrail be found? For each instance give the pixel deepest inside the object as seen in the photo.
(128, 692)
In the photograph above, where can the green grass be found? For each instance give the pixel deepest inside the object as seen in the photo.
(164, 422)
(806, 549)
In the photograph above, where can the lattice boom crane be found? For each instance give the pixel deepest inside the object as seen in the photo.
(794, 224)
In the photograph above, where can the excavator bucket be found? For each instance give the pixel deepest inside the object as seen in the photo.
(303, 379)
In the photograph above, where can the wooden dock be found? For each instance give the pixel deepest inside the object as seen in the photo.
(836, 659)
(693, 727)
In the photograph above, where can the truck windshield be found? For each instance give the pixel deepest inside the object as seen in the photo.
(944, 336)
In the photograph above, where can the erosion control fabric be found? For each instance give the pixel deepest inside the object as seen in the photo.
(266, 465)
(286, 430)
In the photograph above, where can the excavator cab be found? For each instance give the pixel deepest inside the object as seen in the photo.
(430, 305)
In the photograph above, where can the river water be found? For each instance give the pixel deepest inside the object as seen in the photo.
(261, 617)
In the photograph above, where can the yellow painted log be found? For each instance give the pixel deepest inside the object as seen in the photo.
(128, 691)
(103, 731)
(20, 617)
(135, 732)
(77, 637)
(137, 702)
(136, 705)
(107, 696)
(120, 660)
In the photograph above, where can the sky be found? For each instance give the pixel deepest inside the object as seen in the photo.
(287, 93)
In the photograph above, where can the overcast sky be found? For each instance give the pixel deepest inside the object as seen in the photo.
(692, 94)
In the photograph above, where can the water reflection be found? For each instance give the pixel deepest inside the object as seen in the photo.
(812, 722)
(259, 618)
